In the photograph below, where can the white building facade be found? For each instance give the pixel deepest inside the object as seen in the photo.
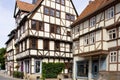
(43, 34)
(96, 40)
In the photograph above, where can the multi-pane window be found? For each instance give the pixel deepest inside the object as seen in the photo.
(33, 43)
(52, 28)
(58, 30)
(113, 56)
(57, 45)
(46, 44)
(46, 10)
(92, 21)
(82, 68)
(27, 66)
(110, 13)
(63, 2)
(33, 24)
(52, 12)
(70, 17)
(57, 13)
(25, 44)
(17, 49)
(68, 33)
(112, 34)
(37, 25)
(89, 39)
(92, 38)
(60, 2)
(41, 26)
(86, 39)
(37, 66)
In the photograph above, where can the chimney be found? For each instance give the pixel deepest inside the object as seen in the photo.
(34, 1)
(91, 1)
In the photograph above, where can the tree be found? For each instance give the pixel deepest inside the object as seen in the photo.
(2, 59)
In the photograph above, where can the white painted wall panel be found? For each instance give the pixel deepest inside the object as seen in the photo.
(40, 44)
(57, 21)
(47, 27)
(109, 22)
(37, 16)
(46, 18)
(53, 4)
(113, 67)
(62, 8)
(86, 49)
(58, 6)
(52, 47)
(52, 20)
(117, 19)
(117, 8)
(112, 44)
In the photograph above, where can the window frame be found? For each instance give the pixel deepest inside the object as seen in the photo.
(57, 45)
(113, 56)
(110, 13)
(48, 12)
(34, 26)
(33, 43)
(112, 34)
(46, 44)
(40, 67)
(92, 21)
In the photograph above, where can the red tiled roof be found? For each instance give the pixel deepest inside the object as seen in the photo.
(91, 8)
(25, 6)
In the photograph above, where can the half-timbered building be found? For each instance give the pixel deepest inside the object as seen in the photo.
(10, 61)
(96, 41)
(43, 34)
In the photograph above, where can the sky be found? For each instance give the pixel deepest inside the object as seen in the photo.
(7, 22)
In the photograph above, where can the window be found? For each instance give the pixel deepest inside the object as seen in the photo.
(57, 45)
(113, 56)
(110, 13)
(33, 43)
(60, 2)
(37, 66)
(21, 47)
(41, 26)
(27, 66)
(86, 39)
(52, 28)
(63, 2)
(92, 22)
(52, 12)
(33, 25)
(58, 29)
(92, 38)
(58, 14)
(25, 44)
(68, 33)
(46, 11)
(112, 34)
(57, 1)
(46, 44)
(70, 17)
(17, 49)
(82, 68)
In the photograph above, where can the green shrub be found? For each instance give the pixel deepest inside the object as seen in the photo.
(51, 70)
(18, 74)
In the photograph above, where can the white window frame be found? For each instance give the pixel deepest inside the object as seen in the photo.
(113, 56)
(92, 38)
(111, 33)
(92, 21)
(39, 67)
(110, 13)
(86, 40)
